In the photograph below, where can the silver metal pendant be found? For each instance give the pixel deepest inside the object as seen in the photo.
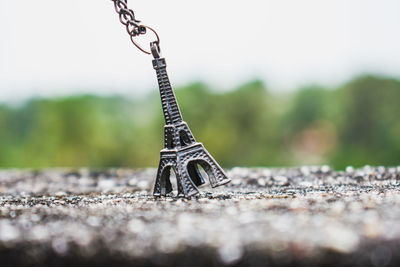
(181, 151)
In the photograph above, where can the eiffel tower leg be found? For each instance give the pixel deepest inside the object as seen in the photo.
(207, 168)
(163, 185)
(215, 173)
(179, 182)
(186, 187)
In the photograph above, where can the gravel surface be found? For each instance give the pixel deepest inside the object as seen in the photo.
(308, 216)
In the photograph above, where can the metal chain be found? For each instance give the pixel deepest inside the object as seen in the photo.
(127, 18)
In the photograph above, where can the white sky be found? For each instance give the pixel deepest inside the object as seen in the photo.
(53, 47)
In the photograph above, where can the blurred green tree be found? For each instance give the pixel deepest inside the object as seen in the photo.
(355, 124)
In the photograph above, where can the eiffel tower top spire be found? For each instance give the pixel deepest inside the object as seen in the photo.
(169, 104)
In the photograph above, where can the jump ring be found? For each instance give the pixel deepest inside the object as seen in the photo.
(141, 48)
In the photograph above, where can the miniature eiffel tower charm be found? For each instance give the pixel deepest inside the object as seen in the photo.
(181, 151)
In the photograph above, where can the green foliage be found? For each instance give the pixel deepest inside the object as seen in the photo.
(355, 124)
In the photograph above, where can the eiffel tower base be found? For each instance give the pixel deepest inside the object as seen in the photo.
(184, 163)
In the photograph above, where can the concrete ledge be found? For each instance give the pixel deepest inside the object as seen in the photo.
(278, 217)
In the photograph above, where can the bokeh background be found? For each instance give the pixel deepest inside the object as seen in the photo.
(261, 83)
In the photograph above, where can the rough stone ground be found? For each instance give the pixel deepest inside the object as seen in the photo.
(308, 216)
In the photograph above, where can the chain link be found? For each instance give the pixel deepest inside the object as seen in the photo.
(127, 18)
